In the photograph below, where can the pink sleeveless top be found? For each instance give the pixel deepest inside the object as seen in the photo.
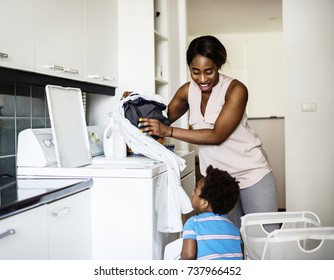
(241, 154)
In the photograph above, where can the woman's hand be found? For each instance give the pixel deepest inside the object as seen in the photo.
(155, 127)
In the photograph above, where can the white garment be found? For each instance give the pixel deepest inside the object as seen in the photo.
(171, 200)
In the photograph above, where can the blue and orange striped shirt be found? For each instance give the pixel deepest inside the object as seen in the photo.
(216, 236)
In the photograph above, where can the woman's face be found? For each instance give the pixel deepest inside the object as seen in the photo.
(204, 72)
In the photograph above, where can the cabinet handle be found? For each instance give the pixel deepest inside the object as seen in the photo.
(96, 77)
(3, 55)
(107, 78)
(56, 67)
(62, 212)
(7, 233)
(71, 71)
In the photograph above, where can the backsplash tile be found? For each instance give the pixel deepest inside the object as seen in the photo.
(7, 137)
(21, 106)
(38, 102)
(7, 99)
(23, 101)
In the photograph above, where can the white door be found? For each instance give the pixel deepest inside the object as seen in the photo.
(24, 236)
(69, 223)
(59, 38)
(17, 34)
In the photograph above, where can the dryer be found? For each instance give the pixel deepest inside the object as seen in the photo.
(123, 194)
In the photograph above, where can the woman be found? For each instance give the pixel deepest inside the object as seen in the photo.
(217, 105)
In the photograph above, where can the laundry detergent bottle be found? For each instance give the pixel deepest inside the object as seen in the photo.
(114, 144)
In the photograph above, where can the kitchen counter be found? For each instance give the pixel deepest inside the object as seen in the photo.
(19, 195)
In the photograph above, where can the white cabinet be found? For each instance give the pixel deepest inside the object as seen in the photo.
(24, 236)
(101, 42)
(188, 177)
(59, 38)
(69, 226)
(17, 34)
(58, 230)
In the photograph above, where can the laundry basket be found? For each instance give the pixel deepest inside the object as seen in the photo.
(255, 236)
(173, 250)
(300, 244)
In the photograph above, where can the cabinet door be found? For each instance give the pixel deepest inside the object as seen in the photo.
(17, 34)
(101, 41)
(59, 38)
(188, 183)
(24, 236)
(48, 21)
(69, 223)
(73, 38)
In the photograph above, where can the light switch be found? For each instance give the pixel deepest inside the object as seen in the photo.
(309, 107)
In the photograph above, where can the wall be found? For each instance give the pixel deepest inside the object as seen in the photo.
(308, 78)
(271, 132)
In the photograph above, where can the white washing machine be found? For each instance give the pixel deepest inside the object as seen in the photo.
(123, 194)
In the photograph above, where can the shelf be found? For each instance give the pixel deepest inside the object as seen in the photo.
(159, 37)
(161, 81)
(161, 49)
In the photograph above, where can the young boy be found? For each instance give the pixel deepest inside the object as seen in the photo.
(210, 234)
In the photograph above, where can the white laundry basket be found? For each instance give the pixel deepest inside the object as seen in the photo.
(300, 244)
(173, 250)
(294, 227)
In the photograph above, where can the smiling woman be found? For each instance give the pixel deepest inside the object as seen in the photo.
(216, 104)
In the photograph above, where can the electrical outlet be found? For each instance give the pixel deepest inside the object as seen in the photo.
(309, 107)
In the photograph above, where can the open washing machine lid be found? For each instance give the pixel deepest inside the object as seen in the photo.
(68, 125)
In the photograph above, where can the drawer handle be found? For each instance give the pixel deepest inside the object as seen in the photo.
(95, 77)
(62, 212)
(3, 55)
(107, 78)
(71, 71)
(56, 67)
(7, 233)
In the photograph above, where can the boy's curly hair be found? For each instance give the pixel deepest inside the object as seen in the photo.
(221, 190)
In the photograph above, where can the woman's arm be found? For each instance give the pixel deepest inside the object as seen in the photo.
(178, 106)
(229, 118)
(189, 249)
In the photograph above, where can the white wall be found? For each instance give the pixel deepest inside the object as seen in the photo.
(308, 78)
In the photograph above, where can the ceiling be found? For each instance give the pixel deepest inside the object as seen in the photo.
(233, 16)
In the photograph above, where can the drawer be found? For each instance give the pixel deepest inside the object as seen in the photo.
(188, 183)
(189, 158)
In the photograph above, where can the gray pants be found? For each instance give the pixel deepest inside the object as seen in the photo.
(260, 197)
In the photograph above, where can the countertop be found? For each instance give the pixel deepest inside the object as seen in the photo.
(19, 195)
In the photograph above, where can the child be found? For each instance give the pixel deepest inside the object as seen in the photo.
(210, 234)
